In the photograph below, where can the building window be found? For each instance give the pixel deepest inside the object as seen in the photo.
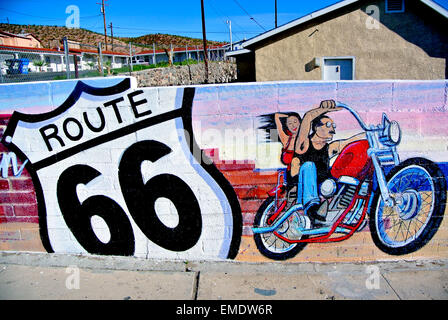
(394, 6)
(338, 68)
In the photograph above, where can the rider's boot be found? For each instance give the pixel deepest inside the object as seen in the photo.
(316, 219)
(291, 197)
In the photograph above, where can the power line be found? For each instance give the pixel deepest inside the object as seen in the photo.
(275, 8)
(248, 14)
(235, 23)
(112, 35)
(103, 11)
(219, 14)
(235, 32)
(204, 41)
(46, 18)
(181, 31)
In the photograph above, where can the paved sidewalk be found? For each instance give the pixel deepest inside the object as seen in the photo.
(41, 276)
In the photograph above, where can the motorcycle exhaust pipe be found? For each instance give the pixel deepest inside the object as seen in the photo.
(279, 222)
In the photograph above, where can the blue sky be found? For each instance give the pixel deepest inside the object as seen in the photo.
(134, 18)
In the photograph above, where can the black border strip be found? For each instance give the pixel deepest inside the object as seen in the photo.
(33, 118)
(79, 89)
(106, 138)
(187, 108)
(185, 113)
(41, 208)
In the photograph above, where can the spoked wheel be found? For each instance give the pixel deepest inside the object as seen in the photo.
(269, 244)
(418, 187)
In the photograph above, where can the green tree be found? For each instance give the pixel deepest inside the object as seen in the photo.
(40, 64)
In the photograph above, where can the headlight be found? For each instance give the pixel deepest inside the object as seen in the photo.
(394, 132)
(391, 136)
(328, 188)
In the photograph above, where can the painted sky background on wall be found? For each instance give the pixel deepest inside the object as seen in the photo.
(135, 18)
(227, 117)
(419, 107)
(39, 97)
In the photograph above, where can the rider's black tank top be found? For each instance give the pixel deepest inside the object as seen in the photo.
(321, 160)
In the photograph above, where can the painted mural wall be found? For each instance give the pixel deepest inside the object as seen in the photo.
(296, 171)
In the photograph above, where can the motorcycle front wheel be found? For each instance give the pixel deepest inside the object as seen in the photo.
(418, 188)
(269, 244)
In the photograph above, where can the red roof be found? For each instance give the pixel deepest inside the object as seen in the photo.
(13, 35)
(108, 52)
(77, 51)
(2, 47)
(61, 51)
(179, 49)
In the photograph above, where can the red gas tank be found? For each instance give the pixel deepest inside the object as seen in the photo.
(353, 161)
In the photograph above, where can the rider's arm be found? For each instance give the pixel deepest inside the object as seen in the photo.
(282, 135)
(337, 146)
(302, 142)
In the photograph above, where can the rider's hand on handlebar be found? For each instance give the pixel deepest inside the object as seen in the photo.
(329, 105)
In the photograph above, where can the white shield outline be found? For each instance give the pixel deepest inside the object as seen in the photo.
(184, 113)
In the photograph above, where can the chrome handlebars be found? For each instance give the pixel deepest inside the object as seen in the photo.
(355, 114)
(383, 140)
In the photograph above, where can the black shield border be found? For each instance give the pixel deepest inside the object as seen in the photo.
(186, 115)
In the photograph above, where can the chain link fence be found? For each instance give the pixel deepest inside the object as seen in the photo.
(30, 64)
(73, 60)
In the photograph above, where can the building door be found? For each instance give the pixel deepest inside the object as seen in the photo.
(338, 69)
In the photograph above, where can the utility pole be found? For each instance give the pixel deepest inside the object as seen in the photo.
(103, 11)
(229, 22)
(112, 35)
(100, 59)
(67, 57)
(154, 60)
(131, 65)
(276, 13)
(204, 38)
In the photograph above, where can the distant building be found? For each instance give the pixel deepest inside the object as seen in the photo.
(55, 58)
(87, 59)
(215, 53)
(27, 40)
(72, 44)
(352, 39)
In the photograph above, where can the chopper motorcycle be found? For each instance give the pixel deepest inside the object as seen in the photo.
(403, 208)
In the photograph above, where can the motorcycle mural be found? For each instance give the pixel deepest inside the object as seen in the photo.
(104, 167)
(401, 202)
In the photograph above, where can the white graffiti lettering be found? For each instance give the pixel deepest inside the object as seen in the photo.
(72, 21)
(6, 160)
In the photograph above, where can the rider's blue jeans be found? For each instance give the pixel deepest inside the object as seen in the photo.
(307, 188)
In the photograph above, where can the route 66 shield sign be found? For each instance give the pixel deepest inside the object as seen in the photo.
(117, 172)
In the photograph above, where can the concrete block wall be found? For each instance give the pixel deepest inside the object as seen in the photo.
(219, 72)
(225, 121)
(17, 196)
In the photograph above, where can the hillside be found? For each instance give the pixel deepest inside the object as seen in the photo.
(50, 35)
(166, 39)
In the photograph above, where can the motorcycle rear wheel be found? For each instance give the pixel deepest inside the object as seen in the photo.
(269, 244)
(419, 189)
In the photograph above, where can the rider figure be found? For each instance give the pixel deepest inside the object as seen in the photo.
(287, 133)
(313, 151)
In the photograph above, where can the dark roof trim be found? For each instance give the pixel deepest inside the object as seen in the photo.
(341, 4)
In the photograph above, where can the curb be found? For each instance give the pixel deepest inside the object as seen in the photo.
(38, 259)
